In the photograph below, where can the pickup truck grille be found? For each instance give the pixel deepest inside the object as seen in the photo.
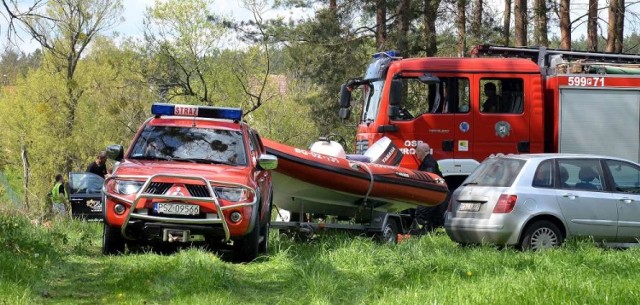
(158, 188)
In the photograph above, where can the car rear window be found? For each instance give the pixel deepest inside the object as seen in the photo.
(190, 143)
(495, 172)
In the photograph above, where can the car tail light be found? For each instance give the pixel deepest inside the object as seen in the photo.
(506, 203)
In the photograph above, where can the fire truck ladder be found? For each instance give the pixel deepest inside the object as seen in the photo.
(544, 56)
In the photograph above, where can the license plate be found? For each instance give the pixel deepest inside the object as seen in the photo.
(176, 209)
(469, 207)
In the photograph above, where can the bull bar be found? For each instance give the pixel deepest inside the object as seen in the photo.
(206, 221)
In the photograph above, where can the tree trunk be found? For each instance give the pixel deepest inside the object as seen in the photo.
(506, 22)
(404, 17)
(476, 24)
(381, 24)
(592, 26)
(565, 25)
(540, 17)
(430, 15)
(620, 26)
(611, 32)
(26, 171)
(461, 25)
(520, 14)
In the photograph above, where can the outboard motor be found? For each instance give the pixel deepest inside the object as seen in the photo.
(384, 152)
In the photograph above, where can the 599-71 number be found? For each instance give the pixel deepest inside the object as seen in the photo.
(584, 81)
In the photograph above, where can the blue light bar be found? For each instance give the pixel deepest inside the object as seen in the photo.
(390, 53)
(234, 114)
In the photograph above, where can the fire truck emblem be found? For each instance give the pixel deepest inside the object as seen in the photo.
(503, 129)
(464, 126)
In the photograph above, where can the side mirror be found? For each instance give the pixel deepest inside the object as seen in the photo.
(429, 79)
(393, 112)
(345, 96)
(115, 152)
(344, 113)
(395, 92)
(268, 162)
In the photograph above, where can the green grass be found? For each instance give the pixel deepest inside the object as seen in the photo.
(63, 265)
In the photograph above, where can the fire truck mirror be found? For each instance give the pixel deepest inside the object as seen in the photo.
(394, 111)
(345, 96)
(429, 79)
(344, 113)
(115, 152)
(395, 93)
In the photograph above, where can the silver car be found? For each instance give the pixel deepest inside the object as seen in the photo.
(536, 201)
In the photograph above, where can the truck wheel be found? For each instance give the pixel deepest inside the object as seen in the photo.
(541, 235)
(246, 248)
(263, 246)
(112, 241)
(389, 233)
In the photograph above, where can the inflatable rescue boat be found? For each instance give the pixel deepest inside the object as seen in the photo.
(325, 180)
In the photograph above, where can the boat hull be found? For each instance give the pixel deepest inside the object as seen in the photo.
(309, 182)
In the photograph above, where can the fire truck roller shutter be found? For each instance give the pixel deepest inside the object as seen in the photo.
(601, 121)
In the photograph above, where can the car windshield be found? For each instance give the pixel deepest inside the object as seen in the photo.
(495, 172)
(190, 144)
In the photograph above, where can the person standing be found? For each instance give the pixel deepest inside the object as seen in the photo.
(59, 199)
(99, 166)
(430, 218)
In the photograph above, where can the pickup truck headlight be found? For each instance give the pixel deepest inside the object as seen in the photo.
(234, 194)
(127, 187)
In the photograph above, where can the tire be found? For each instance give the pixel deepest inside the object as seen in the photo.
(112, 241)
(263, 246)
(541, 235)
(389, 233)
(246, 248)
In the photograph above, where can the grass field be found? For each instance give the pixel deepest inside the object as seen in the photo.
(62, 264)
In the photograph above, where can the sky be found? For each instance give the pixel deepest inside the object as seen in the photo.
(134, 11)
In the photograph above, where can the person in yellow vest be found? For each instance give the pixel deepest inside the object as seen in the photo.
(59, 198)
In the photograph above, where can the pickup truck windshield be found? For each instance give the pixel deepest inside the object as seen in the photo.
(190, 144)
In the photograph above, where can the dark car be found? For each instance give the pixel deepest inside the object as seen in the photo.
(85, 194)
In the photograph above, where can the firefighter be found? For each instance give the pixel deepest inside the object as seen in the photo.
(428, 219)
(492, 104)
(59, 200)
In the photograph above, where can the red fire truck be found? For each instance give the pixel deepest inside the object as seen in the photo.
(528, 100)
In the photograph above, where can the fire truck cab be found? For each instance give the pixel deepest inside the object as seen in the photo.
(527, 100)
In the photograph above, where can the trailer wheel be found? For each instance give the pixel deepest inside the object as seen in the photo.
(112, 241)
(389, 233)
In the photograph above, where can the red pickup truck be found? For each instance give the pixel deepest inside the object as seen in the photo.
(191, 175)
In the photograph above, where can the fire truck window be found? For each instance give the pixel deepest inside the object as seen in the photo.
(502, 95)
(451, 95)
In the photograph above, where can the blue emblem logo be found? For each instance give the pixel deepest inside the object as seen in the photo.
(464, 126)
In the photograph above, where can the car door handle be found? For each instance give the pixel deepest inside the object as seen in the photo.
(570, 196)
(626, 200)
